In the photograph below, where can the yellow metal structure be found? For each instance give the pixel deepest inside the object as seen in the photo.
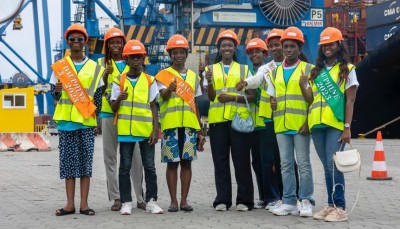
(17, 110)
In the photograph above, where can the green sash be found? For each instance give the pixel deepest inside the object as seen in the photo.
(331, 93)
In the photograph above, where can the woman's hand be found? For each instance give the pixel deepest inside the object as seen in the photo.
(58, 87)
(304, 129)
(242, 84)
(123, 95)
(346, 135)
(224, 98)
(109, 67)
(172, 86)
(273, 103)
(154, 137)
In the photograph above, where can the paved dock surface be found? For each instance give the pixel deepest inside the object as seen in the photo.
(31, 191)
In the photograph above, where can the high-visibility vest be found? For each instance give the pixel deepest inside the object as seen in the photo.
(257, 111)
(291, 111)
(105, 104)
(89, 76)
(320, 112)
(265, 104)
(222, 112)
(134, 114)
(175, 112)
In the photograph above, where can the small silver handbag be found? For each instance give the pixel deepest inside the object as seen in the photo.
(243, 125)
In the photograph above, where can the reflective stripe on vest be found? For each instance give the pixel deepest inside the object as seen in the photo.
(65, 110)
(175, 112)
(291, 112)
(134, 114)
(105, 102)
(320, 112)
(222, 112)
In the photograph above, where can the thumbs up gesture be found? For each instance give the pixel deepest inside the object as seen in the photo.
(109, 68)
(172, 85)
(303, 79)
(124, 94)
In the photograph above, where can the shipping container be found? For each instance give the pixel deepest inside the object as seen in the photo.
(378, 35)
(383, 14)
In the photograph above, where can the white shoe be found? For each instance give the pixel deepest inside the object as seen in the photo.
(337, 215)
(153, 208)
(306, 209)
(126, 208)
(273, 205)
(286, 209)
(242, 207)
(220, 207)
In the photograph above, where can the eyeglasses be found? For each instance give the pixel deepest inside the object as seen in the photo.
(76, 39)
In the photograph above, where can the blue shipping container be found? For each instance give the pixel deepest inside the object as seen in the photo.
(378, 35)
(383, 13)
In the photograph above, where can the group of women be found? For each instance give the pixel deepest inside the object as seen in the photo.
(289, 99)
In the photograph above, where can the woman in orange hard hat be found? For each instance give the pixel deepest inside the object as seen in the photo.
(114, 41)
(330, 116)
(179, 116)
(288, 100)
(77, 87)
(225, 101)
(133, 98)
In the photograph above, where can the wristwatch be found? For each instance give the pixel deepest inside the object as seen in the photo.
(347, 125)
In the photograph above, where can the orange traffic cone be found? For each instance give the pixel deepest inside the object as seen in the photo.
(379, 171)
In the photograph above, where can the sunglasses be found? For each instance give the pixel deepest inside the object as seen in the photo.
(76, 39)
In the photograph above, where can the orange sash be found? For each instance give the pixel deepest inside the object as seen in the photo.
(183, 89)
(76, 92)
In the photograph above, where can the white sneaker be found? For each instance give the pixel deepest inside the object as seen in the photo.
(153, 208)
(126, 208)
(242, 207)
(306, 208)
(272, 205)
(286, 209)
(260, 204)
(220, 207)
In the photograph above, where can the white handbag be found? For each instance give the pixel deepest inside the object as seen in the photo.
(347, 160)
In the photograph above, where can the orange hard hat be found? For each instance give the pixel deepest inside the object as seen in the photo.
(76, 28)
(274, 33)
(133, 47)
(113, 32)
(177, 41)
(330, 35)
(228, 34)
(292, 33)
(256, 43)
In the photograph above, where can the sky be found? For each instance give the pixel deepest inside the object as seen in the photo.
(24, 43)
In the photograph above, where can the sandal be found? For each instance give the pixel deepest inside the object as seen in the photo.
(173, 209)
(88, 211)
(116, 206)
(187, 208)
(62, 211)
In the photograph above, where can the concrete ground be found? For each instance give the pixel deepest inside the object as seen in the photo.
(31, 191)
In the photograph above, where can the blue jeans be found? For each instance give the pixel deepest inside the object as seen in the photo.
(326, 143)
(288, 145)
(147, 151)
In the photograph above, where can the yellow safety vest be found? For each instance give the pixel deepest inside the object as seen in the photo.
(134, 114)
(222, 112)
(176, 112)
(320, 112)
(291, 112)
(258, 113)
(89, 76)
(105, 104)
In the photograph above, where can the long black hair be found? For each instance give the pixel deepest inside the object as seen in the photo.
(107, 52)
(342, 59)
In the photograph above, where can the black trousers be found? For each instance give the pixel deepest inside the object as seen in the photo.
(224, 139)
